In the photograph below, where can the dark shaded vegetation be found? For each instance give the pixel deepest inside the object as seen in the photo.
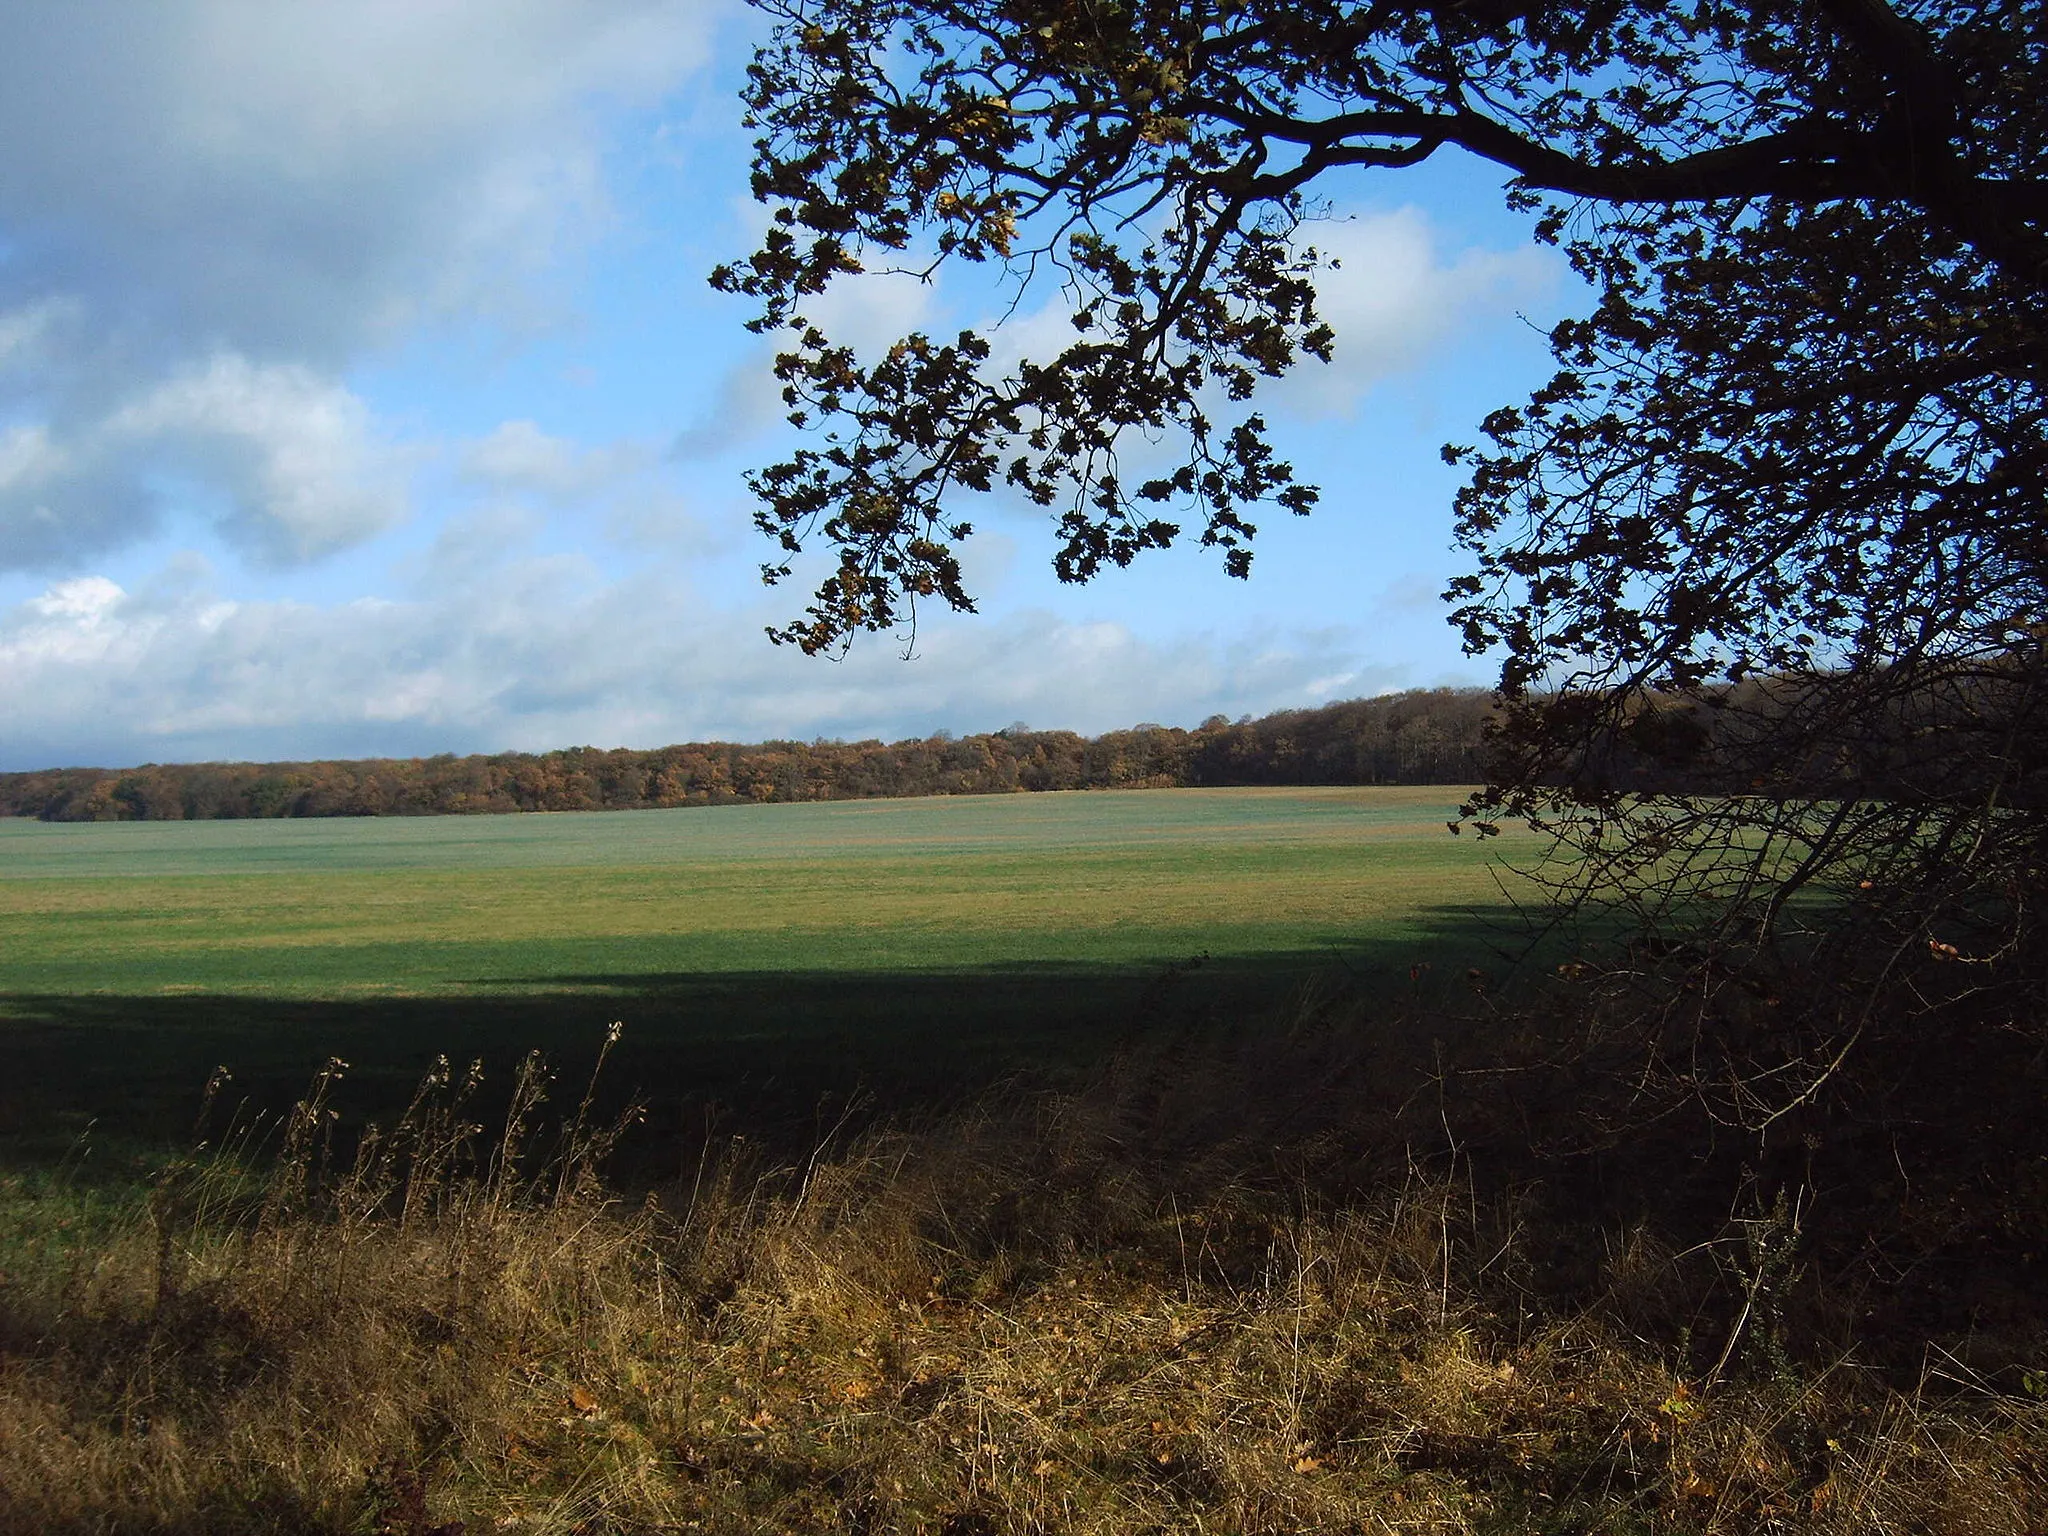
(1433, 736)
(763, 1052)
(1329, 1271)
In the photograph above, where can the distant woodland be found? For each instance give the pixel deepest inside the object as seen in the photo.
(1433, 736)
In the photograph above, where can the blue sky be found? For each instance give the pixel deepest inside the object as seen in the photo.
(361, 393)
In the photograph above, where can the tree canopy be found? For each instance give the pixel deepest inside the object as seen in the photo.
(1423, 736)
(1778, 521)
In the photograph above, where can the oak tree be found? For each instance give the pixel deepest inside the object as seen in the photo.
(1763, 562)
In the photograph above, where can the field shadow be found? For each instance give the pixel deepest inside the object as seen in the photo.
(772, 1051)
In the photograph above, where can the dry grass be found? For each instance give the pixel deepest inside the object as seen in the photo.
(1028, 1320)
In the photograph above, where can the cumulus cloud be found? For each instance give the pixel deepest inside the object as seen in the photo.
(211, 208)
(296, 453)
(295, 462)
(624, 489)
(296, 176)
(25, 332)
(57, 499)
(543, 650)
(1395, 299)
(520, 457)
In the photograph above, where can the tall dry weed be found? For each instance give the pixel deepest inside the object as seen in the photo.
(1039, 1317)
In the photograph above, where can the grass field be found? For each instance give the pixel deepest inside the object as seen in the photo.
(1244, 1283)
(756, 952)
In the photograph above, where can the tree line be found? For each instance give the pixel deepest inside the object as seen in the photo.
(1423, 736)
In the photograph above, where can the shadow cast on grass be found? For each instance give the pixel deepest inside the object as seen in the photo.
(774, 1052)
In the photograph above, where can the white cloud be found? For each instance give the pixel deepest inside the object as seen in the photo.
(518, 457)
(294, 458)
(298, 175)
(296, 453)
(210, 209)
(746, 404)
(1395, 300)
(29, 460)
(474, 540)
(74, 624)
(623, 489)
(25, 333)
(542, 651)
(78, 630)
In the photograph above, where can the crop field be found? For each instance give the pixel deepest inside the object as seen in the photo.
(754, 953)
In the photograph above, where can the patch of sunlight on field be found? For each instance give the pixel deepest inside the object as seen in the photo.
(351, 906)
(844, 829)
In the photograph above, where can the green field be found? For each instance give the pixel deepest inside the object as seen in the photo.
(754, 952)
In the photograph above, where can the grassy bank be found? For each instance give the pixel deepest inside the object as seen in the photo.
(1052, 1314)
